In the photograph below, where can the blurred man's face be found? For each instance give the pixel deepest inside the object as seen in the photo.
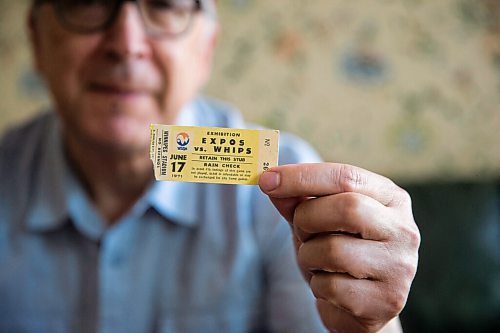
(108, 86)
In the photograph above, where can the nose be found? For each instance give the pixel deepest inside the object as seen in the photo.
(127, 38)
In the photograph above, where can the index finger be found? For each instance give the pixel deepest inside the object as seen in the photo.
(321, 179)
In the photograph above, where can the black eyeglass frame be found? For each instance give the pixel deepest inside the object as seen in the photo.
(60, 12)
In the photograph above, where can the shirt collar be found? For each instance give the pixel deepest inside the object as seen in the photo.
(187, 116)
(59, 198)
(177, 201)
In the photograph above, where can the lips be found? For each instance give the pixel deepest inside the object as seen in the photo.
(116, 89)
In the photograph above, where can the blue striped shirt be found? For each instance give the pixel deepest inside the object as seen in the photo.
(185, 258)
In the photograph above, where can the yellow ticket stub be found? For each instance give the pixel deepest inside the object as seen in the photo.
(212, 154)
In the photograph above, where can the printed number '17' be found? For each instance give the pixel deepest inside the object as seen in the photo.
(178, 166)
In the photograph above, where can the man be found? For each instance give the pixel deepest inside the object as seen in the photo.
(89, 242)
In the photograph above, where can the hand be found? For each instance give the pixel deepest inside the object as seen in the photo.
(356, 240)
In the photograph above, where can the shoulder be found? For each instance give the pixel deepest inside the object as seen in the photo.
(15, 138)
(21, 147)
(21, 150)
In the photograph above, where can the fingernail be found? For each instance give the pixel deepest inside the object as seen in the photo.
(269, 181)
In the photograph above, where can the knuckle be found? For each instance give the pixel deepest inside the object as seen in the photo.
(396, 301)
(414, 237)
(348, 178)
(350, 207)
(351, 291)
(411, 235)
(301, 177)
(401, 197)
(331, 287)
(398, 294)
(411, 268)
(305, 177)
(403, 270)
(369, 321)
(358, 312)
(407, 270)
(325, 286)
(371, 325)
(334, 250)
(405, 196)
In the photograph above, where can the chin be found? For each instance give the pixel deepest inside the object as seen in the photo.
(115, 125)
(120, 136)
(122, 147)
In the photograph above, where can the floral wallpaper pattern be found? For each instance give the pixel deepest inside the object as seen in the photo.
(407, 88)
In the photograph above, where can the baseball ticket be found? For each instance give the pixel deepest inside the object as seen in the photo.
(212, 154)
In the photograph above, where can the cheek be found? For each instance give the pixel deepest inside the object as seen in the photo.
(180, 67)
(63, 66)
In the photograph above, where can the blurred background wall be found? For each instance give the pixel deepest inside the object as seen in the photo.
(407, 88)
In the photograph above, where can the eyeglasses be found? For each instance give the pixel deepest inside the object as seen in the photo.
(161, 17)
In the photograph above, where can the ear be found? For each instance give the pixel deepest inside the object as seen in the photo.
(34, 40)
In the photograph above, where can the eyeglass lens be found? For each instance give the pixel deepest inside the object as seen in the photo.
(170, 17)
